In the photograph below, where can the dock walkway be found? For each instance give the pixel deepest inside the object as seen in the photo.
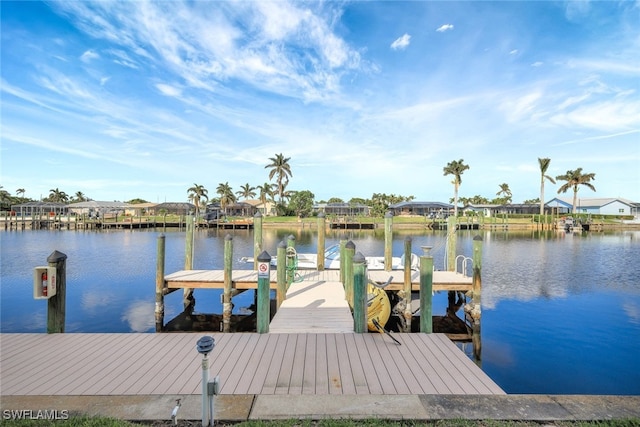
(313, 306)
(248, 364)
(248, 279)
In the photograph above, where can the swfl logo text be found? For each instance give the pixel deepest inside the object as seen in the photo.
(31, 414)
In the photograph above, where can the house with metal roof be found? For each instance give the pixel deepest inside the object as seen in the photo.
(342, 209)
(593, 206)
(432, 209)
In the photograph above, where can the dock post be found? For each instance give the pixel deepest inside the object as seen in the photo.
(451, 242)
(291, 243)
(426, 291)
(388, 240)
(349, 253)
(257, 238)
(159, 311)
(359, 294)
(263, 312)
(281, 271)
(227, 307)
(321, 233)
(473, 309)
(56, 305)
(343, 242)
(187, 295)
(408, 314)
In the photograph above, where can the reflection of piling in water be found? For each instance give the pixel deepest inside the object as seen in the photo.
(472, 309)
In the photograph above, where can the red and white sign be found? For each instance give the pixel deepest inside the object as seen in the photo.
(263, 269)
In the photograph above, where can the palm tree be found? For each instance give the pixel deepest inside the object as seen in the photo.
(198, 196)
(281, 169)
(266, 191)
(20, 192)
(246, 191)
(226, 195)
(80, 197)
(455, 168)
(544, 165)
(506, 192)
(573, 180)
(55, 195)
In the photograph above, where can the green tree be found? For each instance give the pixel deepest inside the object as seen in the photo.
(79, 197)
(505, 192)
(227, 196)
(455, 168)
(281, 170)
(335, 200)
(380, 202)
(246, 191)
(198, 196)
(58, 196)
(575, 178)
(266, 193)
(544, 165)
(302, 203)
(20, 192)
(5, 198)
(137, 201)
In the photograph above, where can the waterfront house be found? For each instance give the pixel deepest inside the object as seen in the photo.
(430, 209)
(592, 206)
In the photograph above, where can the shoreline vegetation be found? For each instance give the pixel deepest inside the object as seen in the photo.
(596, 223)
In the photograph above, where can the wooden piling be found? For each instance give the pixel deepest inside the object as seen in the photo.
(474, 313)
(407, 285)
(263, 304)
(257, 238)
(426, 292)
(291, 260)
(56, 305)
(159, 311)
(359, 294)
(187, 295)
(343, 242)
(227, 307)
(281, 272)
(349, 253)
(321, 233)
(451, 242)
(388, 240)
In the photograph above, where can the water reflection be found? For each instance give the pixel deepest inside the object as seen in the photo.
(140, 316)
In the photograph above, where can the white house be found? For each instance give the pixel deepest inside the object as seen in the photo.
(600, 206)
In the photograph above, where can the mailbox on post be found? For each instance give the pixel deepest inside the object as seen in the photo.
(44, 282)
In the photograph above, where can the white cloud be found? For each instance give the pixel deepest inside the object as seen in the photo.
(89, 55)
(445, 27)
(401, 42)
(537, 64)
(168, 90)
(513, 52)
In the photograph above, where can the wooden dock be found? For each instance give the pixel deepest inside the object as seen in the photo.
(313, 307)
(248, 364)
(248, 279)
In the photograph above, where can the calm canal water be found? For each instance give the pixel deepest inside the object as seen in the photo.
(561, 313)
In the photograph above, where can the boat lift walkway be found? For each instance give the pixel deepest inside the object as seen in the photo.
(313, 306)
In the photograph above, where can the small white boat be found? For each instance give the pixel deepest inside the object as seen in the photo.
(308, 261)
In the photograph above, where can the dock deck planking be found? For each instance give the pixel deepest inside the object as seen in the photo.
(248, 279)
(142, 364)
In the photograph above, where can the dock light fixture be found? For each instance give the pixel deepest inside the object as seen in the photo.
(204, 346)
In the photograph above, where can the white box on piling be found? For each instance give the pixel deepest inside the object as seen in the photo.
(44, 282)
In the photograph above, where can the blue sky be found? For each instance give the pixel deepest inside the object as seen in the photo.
(138, 99)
